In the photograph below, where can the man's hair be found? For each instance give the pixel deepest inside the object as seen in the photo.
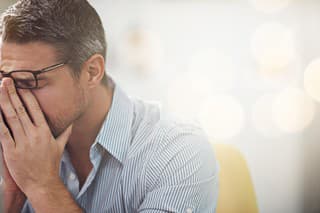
(73, 27)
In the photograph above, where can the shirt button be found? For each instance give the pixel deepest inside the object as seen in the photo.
(72, 176)
(189, 210)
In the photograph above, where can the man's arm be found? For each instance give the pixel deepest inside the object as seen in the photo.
(13, 202)
(53, 198)
(13, 197)
(31, 153)
(182, 177)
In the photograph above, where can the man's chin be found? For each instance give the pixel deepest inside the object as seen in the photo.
(56, 132)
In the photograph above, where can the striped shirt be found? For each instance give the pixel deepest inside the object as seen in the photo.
(144, 162)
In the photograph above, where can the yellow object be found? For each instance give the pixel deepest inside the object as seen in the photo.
(236, 192)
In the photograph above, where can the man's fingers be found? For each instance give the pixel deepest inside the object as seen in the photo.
(5, 137)
(33, 107)
(63, 138)
(18, 106)
(10, 115)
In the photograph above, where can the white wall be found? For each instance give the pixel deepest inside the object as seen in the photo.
(182, 28)
(173, 32)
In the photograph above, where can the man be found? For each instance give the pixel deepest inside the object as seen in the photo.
(72, 140)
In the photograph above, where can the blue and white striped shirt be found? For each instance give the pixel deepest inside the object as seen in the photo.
(144, 162)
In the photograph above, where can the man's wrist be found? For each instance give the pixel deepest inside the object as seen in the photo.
(13, 201)
(39, 192)
(53, 197)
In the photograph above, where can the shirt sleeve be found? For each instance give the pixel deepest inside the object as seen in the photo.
(182, 176)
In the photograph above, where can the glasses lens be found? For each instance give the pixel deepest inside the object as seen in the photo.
(24, 80)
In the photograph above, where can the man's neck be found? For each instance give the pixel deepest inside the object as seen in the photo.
(86, 128)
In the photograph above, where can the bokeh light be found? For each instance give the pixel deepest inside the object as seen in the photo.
(293, 110)
(270, 6)
(273, 47)
(215, 66)
(262, 116)
(142, 50)
(185, 95)
(209, 72)
(222, 117)
(312, 79)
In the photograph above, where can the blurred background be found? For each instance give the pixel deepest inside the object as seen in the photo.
(248, 71)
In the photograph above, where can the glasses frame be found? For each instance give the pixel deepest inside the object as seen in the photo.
(34, 72)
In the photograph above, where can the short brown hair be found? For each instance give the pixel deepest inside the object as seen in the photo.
(73, 27)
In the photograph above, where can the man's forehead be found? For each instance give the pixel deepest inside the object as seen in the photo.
(32, 55)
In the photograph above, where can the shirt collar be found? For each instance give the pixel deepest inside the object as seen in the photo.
(115, 133)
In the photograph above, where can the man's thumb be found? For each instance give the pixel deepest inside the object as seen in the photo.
(63, 138)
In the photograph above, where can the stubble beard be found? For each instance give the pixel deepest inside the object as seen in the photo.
(64, 119)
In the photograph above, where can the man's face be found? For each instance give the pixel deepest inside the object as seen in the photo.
(62, 98)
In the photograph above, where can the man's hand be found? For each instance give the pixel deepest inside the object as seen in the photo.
(32, 155)
(14, 198)
(8, 185)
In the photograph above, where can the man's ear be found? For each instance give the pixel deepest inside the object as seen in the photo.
(95, 70)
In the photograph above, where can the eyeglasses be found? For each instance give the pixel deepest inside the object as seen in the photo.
(28, 79)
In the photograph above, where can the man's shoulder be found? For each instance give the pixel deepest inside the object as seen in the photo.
(156, 132)
(152, 122)
(169, 159)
